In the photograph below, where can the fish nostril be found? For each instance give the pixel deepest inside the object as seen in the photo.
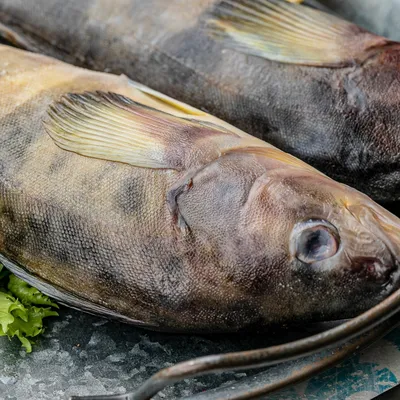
(372, 269)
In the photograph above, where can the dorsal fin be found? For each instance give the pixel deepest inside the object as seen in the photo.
(115, 128)
(290, 33)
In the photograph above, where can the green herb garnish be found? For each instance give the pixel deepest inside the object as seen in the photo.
(22, 309)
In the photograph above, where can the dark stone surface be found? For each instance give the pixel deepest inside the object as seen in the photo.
(81, 354)
(84, 355)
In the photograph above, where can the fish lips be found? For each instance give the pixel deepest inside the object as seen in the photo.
(383, 271)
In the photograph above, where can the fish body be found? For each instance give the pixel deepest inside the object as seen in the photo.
(340, 114)
(376, 16)
(121, 201)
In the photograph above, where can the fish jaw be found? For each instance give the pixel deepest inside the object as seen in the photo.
(387, 230)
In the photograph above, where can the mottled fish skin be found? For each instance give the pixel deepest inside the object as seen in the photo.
(103, 231)
(73, 220)
(343, 121)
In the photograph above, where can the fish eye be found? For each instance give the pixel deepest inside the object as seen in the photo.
(314, 240)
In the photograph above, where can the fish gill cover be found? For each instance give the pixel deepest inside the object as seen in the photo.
(22, 309)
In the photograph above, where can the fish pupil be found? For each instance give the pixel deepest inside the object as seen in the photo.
(316, 244)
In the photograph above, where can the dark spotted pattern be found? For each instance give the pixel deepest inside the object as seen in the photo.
(129, 197)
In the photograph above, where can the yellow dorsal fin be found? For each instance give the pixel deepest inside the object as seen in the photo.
(290, 33)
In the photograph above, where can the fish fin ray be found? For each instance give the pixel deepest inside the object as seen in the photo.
(115, 128)
(290, 33)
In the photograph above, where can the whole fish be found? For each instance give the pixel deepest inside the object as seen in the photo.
(121, 201)
(308, 82)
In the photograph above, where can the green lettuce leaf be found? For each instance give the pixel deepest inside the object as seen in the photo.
(20, 311)
(27, 294)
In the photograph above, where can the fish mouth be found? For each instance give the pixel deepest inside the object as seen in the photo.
(374, 270)
(389, 279)
(387, 272)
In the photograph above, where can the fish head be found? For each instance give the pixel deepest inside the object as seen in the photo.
(329, 251)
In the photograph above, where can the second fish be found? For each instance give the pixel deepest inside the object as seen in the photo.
(310, 83)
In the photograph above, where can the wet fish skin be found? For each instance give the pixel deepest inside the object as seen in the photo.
(104, 232)
(343, 121)
(376, 16)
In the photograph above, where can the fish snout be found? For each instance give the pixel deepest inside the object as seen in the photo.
(375, 247)
(374, 270)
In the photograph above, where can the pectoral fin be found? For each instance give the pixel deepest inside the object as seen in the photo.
(290, 33)
(115, 128)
